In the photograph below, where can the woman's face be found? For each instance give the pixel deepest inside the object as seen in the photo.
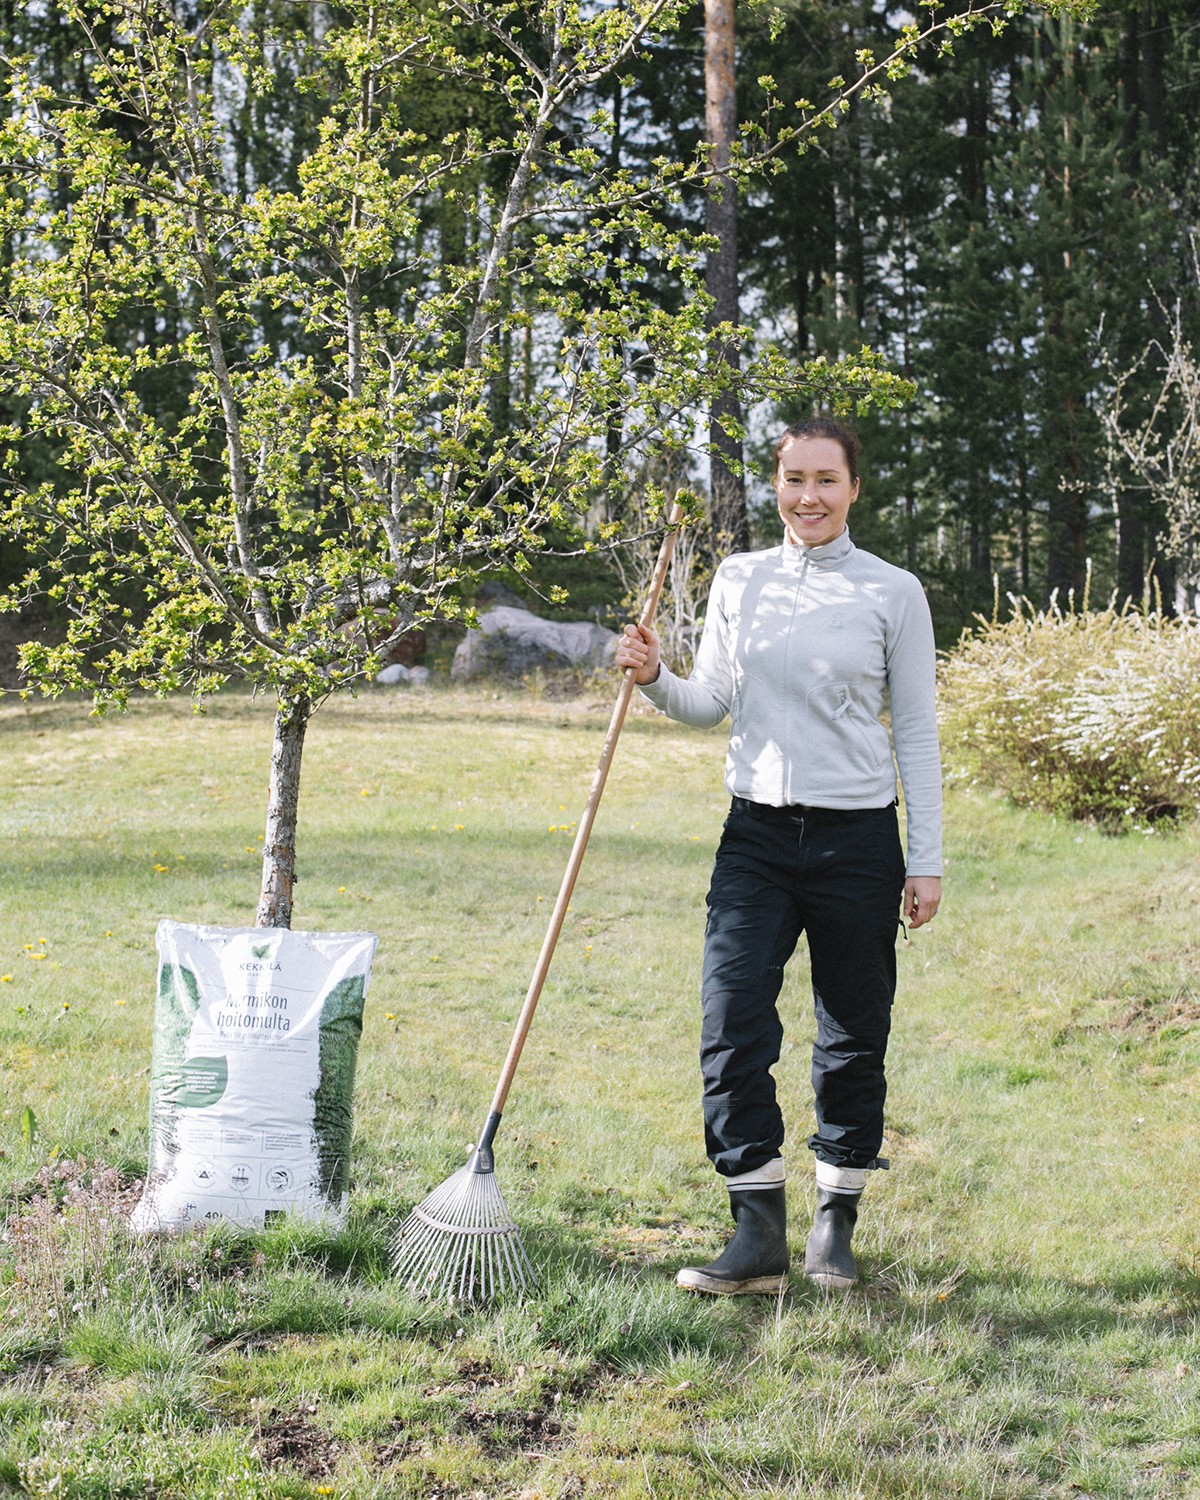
(814, 488)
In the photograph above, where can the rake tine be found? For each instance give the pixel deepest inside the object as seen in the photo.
(461, 1242)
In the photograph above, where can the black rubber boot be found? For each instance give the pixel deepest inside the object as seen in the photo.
(828, 1259)
(756, 1258)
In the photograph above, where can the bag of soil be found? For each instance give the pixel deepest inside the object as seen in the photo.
(256, 1034)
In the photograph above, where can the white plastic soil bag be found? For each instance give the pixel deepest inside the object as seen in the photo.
(256, 1035)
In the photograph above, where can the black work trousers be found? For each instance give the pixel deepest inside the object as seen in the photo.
(838, 877)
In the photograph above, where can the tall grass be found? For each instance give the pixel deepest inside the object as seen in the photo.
(1027, 1321)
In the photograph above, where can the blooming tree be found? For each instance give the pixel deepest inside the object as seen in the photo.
(1153, 442)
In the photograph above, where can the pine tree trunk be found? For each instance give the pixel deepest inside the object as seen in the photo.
(279, 843)
(1129, 508)
(730, 525)
(1067, 519)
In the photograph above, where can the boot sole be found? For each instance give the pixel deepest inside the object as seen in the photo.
(829, 1283)
(696, 1281)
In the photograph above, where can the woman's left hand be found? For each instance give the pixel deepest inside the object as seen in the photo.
(922, 897)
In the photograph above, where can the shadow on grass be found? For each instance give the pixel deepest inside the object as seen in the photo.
(580, 707)
(1136, 1316)
(468, 870)
(1161, 1301)
(1156, 1304)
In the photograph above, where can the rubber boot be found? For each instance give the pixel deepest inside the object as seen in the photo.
(828, 1259)
(756, 1258)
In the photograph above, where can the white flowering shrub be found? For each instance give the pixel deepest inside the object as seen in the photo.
(1094, 713)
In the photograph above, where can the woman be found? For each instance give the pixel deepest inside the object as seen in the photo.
(801, 645)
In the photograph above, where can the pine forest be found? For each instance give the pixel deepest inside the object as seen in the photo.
(983, 249)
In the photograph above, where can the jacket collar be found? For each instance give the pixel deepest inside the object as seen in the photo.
(832, 555)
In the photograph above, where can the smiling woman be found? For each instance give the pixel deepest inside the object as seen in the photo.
(803, 643)
(816, 482)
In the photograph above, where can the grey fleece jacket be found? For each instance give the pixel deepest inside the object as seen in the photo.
(801, 645)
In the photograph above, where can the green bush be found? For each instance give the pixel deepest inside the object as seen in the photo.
(1094, 713)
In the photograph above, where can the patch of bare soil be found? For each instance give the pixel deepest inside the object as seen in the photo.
(396, 1448)
(499, 1434)
(503, 1432)
(499, 1431)
(1148, 1017)
(1161, 993)
(291, 1439)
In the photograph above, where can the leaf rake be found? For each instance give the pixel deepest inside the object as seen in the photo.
(461, 1242)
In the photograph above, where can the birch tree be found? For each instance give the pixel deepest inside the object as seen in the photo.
(728, 491)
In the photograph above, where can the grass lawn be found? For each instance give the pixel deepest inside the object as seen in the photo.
(1027, 1321)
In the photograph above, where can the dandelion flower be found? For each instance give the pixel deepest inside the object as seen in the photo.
(5, 978)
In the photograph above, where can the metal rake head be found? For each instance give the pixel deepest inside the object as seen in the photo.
(461, 1242)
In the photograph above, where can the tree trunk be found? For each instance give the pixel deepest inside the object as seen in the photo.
(1024, 519)
(1129, 510)
(731, 528)
(1141, 82)
(614, 428)
(279, 844)
(1067, 522)
(1154, 95)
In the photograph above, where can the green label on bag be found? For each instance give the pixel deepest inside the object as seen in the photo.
(202, 1081)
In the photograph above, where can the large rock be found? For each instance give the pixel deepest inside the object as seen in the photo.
(398, 673)
(511, 642)
(408, 651)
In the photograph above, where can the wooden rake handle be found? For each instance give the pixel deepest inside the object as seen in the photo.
(525, 1020)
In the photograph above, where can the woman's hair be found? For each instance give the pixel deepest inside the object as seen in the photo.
(823, 427)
